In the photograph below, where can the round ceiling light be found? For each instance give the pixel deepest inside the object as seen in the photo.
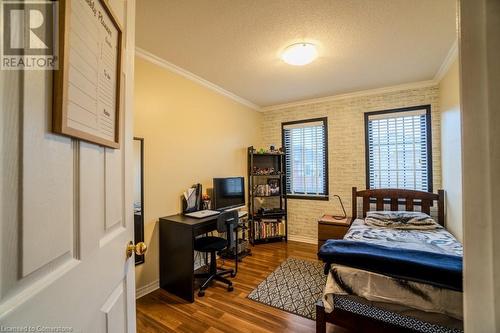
(300, 54)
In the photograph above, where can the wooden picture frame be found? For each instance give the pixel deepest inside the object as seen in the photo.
(74, 81)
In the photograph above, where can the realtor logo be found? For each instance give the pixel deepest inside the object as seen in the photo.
(29, 35)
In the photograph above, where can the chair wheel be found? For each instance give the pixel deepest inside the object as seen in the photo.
(201, 293)
(233, 274)
(230, 288)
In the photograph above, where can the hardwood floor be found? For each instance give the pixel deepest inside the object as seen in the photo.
(223, 311)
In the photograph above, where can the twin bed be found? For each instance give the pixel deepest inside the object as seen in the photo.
(393, 277)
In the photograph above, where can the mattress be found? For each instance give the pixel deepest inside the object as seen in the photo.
(373, 287)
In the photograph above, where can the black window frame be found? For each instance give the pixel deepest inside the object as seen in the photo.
(428, 119)
(324, 197)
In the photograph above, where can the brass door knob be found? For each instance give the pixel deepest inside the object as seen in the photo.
(139, 249)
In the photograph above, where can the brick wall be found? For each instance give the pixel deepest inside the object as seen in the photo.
(346, 155)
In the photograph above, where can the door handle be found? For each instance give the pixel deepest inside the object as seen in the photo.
(139, 249)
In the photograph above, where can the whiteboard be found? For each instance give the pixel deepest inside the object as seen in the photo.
(87, 84)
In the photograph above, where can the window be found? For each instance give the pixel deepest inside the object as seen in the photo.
(305, 144)
(398, 149)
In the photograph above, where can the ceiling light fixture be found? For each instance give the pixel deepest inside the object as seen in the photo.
(300, 54)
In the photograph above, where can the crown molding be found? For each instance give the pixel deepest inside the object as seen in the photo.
(361, 93)
(448, 61)
(193, 77)
(443, 69)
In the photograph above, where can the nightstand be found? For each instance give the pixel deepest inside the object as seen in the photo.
(330, 228)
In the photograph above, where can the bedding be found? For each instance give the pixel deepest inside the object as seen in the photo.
(401, 220)
(437, 240)
(437, 269)
(343, 280)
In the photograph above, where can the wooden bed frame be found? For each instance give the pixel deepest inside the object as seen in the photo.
(380, 198)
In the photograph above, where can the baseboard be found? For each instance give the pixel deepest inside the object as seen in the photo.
(303, 239)
(144, 290)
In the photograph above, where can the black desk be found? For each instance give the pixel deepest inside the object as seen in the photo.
(177, 233)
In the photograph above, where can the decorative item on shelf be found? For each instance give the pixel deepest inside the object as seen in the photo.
(264, 172)
(262, 190)
(274, 186)
(272, 150)
(259, 190)
(343, 209)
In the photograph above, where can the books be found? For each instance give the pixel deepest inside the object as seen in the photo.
(268, 228)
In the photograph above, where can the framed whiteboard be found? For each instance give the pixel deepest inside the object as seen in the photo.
(87, 87)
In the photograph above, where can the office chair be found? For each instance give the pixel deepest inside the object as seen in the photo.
(226, 222)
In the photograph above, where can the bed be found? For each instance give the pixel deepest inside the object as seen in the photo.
(373, 300)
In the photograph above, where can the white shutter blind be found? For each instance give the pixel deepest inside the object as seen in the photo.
(398, 156)
(305, 158)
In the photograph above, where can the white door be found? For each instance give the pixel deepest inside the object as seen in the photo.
(66, 211)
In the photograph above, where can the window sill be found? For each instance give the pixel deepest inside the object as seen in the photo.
(308, 197)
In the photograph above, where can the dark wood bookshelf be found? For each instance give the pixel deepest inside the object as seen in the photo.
(261, 168)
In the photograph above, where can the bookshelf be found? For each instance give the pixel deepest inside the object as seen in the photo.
(267, 197)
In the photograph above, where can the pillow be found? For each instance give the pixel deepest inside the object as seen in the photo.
(401, 220)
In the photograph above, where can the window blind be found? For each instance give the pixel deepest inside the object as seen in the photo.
(398, 150)
(306, 158)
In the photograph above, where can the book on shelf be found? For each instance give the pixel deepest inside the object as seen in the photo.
(263, 229)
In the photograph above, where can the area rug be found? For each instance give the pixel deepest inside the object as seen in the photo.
(295, 286)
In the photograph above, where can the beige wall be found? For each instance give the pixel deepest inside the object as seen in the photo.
(191, 134)
(346, 148)
(451, 149)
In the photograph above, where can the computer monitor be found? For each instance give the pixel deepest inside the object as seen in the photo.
(228, 193)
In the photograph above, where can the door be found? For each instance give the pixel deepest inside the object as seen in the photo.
(66, 211)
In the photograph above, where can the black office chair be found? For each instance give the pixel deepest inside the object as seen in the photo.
(226, 222)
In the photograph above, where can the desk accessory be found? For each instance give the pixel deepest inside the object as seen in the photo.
(191, 199)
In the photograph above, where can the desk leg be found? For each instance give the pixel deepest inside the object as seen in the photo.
(176, 260)
(236, 254)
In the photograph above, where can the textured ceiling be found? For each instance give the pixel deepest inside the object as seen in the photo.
(362, 44)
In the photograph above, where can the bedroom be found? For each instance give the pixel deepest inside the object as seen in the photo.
(426, 106)
(343, 152)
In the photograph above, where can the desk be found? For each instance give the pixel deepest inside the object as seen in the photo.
(177, 233)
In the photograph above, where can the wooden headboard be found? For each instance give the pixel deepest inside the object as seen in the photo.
(395, 198)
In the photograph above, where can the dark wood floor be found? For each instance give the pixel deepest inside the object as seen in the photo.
(223, 311)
